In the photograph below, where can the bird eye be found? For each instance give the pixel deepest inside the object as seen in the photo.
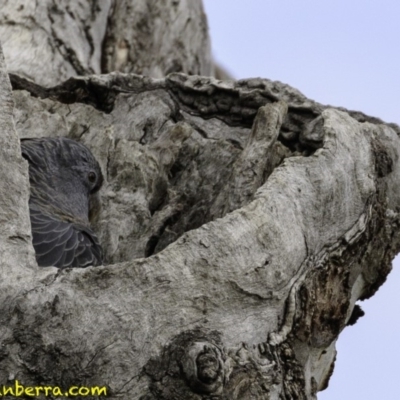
(92, 177)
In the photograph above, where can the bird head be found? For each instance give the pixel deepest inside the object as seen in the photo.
(63, 175)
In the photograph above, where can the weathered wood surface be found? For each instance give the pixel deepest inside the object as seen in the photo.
(281, 273)
(240, 220)
(49, 41)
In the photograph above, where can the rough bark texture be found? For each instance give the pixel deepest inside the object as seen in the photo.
(49, 41)
(240, 220)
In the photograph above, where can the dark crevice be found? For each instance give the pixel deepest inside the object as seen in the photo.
(20, 83)
(71, 91)
(89, 38)
(154, 239)
(151, 245)
(147, 131)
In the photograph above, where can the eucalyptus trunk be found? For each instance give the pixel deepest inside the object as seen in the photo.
(240, 220)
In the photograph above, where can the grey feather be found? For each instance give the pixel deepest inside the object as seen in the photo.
(63, 175)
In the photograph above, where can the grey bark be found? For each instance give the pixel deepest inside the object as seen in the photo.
(241, 222)
(49, 41)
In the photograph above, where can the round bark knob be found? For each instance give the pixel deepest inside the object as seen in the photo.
(204, 367)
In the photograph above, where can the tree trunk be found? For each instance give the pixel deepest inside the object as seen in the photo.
(240, 220)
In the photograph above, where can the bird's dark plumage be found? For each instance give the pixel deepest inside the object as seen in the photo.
(63, 175)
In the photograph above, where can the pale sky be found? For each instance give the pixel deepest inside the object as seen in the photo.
(343, 53)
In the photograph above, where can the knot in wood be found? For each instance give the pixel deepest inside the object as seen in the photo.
(204, 367)
(208, 366)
